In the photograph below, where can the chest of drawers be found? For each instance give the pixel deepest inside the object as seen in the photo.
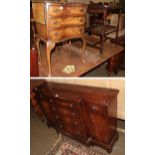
(87, 114)
(57, 22)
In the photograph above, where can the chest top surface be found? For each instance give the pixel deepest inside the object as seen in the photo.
(77, 92)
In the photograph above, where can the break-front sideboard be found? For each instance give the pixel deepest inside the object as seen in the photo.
(87, 114)
(57, 22)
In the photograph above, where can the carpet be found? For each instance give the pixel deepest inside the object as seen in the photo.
(67, 146)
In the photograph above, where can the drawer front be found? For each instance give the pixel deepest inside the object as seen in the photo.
(66, 21)
(63, 112)
(57, 35)
(66, 104)
(67, 120)
(56, 10)
(76, 10)
(55, 22)
(74, 31)
(72, 130)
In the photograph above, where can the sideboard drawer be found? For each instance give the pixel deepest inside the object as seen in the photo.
(76, 10)
(56, 10)
(66, 104)
(72, 130)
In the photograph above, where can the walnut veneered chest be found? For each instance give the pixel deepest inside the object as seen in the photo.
(57, 22)
(87, 114)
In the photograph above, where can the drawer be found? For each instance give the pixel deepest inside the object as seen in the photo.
(72, 130)
(76, 10)
(74, 21)
(67, 120)
(66, 104)
(74, 31)
(96, 108)
(55, 22)
(63, 112)
(56, 10)
(57, 35)
(66, 21)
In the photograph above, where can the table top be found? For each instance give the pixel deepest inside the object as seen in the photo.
(61, 58)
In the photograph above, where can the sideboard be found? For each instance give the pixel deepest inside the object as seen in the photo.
(57, 22)
(84, 113)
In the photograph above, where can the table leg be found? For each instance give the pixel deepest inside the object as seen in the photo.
(83, 49)
(38, 49)
(49, 47)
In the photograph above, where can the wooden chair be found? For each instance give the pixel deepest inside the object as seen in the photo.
(101, 27)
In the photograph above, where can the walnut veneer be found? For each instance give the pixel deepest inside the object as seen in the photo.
(87, 114)
(57, 22)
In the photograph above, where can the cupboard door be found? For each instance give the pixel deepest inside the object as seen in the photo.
(96, 119)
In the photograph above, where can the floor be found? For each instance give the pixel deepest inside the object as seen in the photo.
(42, 138)
(93, 66)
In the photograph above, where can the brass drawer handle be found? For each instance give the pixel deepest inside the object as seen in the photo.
(55, 23)
(54, 108)
(61, 126)
(76, 123)
(56, 34)
(56, 10)
(103, 101)
(56, 95)
(94, 107)
(57, 117)
(82, 10)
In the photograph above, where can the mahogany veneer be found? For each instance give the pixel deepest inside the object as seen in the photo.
(87, 114)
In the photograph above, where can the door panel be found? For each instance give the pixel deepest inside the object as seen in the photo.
(96, 120)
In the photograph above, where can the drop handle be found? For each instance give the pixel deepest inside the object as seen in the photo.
(61, 126)
(56, 95)
(76, 123)
(57, 117)
(94, 107)
(54, 108)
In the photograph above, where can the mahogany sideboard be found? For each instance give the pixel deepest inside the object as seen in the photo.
(84, 113)
(57, 22)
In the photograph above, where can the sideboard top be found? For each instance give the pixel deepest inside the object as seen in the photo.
(58, 3)
(76, 92)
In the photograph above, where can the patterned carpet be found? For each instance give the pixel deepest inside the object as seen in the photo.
(67, 146)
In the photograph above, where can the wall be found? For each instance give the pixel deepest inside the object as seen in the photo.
(108, 83)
